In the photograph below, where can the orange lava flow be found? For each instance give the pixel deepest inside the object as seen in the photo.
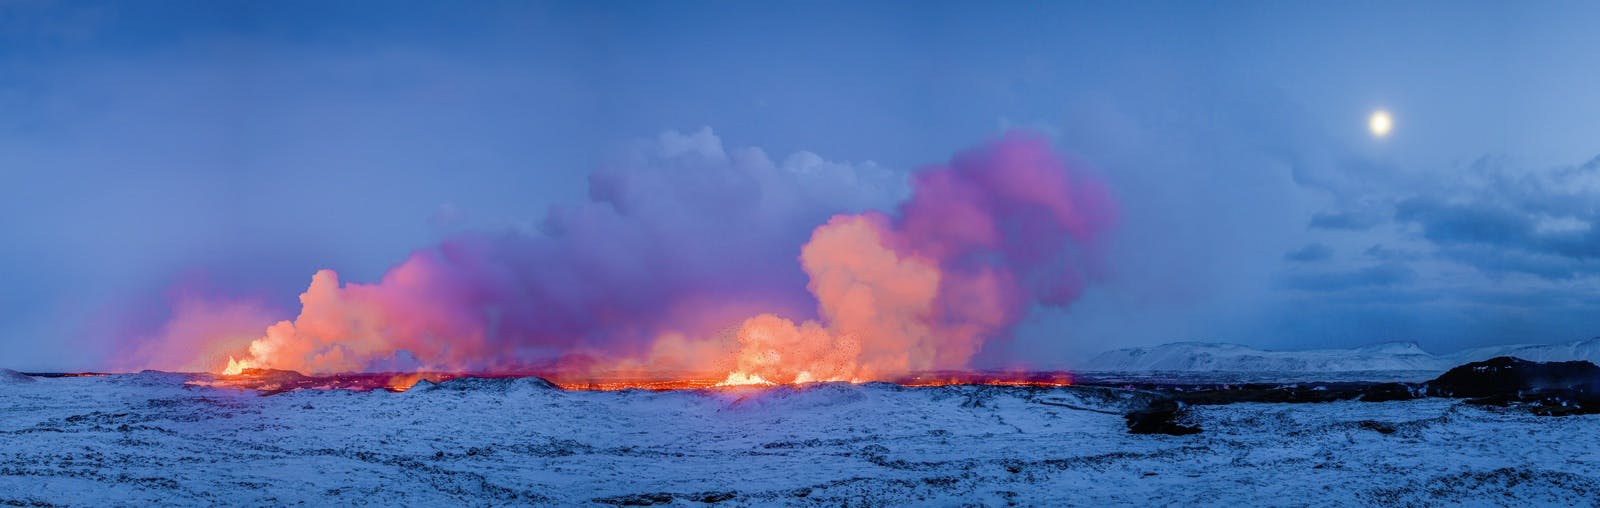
(279, 381)
(616, 384)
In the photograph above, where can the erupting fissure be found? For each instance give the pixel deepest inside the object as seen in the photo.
(980, 241)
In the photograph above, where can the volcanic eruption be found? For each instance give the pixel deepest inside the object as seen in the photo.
(692, 275)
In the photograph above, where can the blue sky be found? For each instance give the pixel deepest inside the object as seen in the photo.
(153, 152)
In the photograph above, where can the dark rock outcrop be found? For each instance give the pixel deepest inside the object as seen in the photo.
(1545, 388)
(1385, 392)
(1503, 375)
(1160, 417)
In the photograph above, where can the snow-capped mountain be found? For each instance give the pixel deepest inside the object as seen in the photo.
(1390, 356)
(1580, 350)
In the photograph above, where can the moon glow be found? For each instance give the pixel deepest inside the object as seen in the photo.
(1380, 123)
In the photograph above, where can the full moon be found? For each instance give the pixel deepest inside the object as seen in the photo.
(1380, 123)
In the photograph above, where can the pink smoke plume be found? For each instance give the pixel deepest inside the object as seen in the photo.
(1001, 228)
(662, 274)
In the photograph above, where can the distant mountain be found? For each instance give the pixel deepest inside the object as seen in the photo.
(1390, 356)
(1581, 350)
(11, 376)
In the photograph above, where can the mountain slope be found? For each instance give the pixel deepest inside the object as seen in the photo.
(1391, 356)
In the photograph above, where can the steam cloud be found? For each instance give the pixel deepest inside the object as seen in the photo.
(999, 229)
(683, 262)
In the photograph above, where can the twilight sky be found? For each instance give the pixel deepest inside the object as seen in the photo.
(156, 155)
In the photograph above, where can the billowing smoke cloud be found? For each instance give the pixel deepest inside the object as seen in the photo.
(199, 336)
(1003, 227)
(682, 243)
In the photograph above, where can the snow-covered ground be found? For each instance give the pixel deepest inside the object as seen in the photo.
(148, 439)
(1388, 357)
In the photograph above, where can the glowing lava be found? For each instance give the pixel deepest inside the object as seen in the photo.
(280, 381)
(235, 367)
(742, 379)
(270, 382)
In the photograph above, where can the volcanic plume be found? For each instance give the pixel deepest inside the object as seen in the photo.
(999, 229)
(680, 273)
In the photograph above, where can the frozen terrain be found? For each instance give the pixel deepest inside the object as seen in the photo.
(1388, 357)
(138, 440)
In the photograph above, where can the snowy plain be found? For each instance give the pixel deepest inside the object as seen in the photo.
(150, 439)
